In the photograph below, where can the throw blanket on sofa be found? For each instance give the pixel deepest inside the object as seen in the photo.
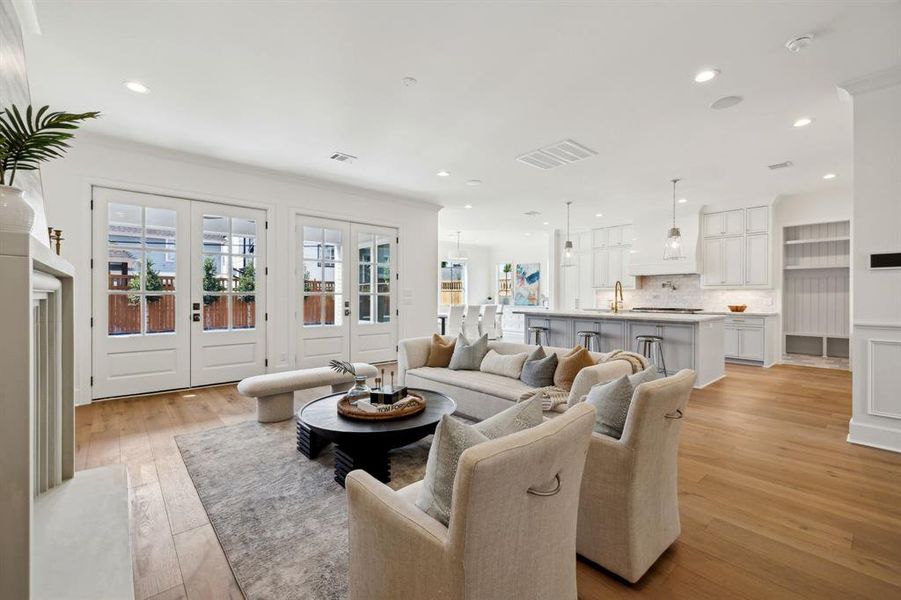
(553, 398)
(637, 361)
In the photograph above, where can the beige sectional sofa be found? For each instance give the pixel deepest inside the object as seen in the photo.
(480, 395)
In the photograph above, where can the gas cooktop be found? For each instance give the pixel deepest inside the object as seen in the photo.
(681, 311)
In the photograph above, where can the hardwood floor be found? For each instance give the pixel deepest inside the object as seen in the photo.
(774, 502)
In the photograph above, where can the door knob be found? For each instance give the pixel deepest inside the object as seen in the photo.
(346, 312)
(195, 317)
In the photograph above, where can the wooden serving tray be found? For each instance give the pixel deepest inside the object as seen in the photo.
(346, 409)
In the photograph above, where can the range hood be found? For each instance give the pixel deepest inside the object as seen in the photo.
(650, 231)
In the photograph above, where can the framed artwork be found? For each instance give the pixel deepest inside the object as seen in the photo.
(526, 284)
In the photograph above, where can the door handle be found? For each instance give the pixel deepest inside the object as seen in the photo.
(346, 312)
(195, 317)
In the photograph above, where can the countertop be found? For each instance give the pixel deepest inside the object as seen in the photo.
(622, 316)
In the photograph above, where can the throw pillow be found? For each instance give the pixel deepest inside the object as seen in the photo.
(452, 437)
(466, 356)
(516, 418)
(539, 372)
(508, 365)
(649, 374)
(569, 366)
(440, 352)
(611, 400)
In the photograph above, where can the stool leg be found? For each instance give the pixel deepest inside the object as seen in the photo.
(544, 334)
(662, 360)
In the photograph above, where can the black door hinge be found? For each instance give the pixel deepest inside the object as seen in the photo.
(397, 311)
(265, 316)
(266, 270)
(92, 263)
(92, 321)
(92, 381)
(267, 224)
(92, 205)
(266, 362)
(397, 240)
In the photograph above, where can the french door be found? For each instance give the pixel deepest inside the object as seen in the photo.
(347, 276)
(179, 293)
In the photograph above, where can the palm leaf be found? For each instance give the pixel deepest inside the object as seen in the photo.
(342, 366)
(26, 142)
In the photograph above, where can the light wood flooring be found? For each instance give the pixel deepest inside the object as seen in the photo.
(774, 502)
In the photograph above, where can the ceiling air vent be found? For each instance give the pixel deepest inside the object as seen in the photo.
(341, 157)
(531, 213)
(556, 155)
(782, 165)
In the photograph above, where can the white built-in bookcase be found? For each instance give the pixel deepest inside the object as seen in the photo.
(816, 288)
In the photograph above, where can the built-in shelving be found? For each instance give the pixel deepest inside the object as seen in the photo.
(803, 267)
(818, 241)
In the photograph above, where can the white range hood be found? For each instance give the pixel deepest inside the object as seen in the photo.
(650, 232)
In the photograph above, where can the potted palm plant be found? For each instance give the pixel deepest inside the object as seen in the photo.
(25, 142)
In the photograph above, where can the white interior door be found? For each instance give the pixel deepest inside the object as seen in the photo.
(141, 267)
(228, 295)
(373, 326)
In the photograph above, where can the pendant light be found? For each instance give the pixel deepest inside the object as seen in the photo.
(458, 255)
(568, 251)
(673, 248)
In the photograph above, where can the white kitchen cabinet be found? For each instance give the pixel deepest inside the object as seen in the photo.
(757, 259)
(752, 338)
(730, 339)
(757, 219)
(727, 222)
(601, 268)
(628, 280)
(612, 247)
(599, 237)
(712, 271)
(614, 265)
(614, 236)
(751, 343)
(733, 260)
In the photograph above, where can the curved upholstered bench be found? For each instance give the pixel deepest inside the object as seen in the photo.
(274, 392)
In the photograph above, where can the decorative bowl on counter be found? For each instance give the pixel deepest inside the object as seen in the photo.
(738, 307)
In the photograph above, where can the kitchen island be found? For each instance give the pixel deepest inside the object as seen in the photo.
(690, 341)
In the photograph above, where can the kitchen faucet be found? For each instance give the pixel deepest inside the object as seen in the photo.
(617, 293)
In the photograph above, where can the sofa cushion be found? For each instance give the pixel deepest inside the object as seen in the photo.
(538, 370)
(468, 355)
(612, 401)
(508, 365)
(523, 415)
(440, 351)
(569, 366)
(488, 383)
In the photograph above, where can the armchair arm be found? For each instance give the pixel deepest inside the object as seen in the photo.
(387, 534)
(599, 373)
(412, 353)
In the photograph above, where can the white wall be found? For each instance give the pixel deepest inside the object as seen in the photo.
(105, 161)
(534, 249)
(876, 294)
(479, 283)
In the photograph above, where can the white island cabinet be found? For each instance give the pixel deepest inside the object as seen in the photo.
(690, 341)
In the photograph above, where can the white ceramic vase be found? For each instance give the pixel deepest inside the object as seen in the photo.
(16, 214)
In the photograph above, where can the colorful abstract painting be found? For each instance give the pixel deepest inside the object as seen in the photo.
(526, 284)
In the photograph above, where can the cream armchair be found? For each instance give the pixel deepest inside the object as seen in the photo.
(512, 530)
(629, 506)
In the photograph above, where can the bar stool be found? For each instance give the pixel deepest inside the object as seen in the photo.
(651, 347)
(590, 340)
(537, 333)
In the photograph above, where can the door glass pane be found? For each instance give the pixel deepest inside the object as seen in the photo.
(244, 311)
(312, 242)
(384, 309)
(160, 313)
(383, 249)
(333, 246)
(124, 269)
(243, 273)
(215, 312)
(364, 314)
(364, 277)
(215, 234)
(312, 310)
(160, 228)
(244, 236)
(331, 305)
(331, 278)
(312, 276)
(215, 273)
(364, 247)
(124, 314)
(384, 282)
(159, 272)
(124, 224)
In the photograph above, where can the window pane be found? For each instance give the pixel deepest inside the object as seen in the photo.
(333, 247)
(124, 314)
(383, 249)
(312, 310)
(333, 307)
(312, 243)
(384, 309)
(244, 236)
(160, 228)
(244, 311)
(364, 247)
(364, 277)
(160, 313)
(159, 272)
(215, 273)
(125, 225)
(364, 314)
(124, 268)
(244, 274)
(215, 312)
(384, 282)
(312, 276)
(331, 276)
(215, 234)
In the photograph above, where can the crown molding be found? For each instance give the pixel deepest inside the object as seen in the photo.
(873, 82)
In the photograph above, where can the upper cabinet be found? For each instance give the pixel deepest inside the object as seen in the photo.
(612, 247)
(736, 248)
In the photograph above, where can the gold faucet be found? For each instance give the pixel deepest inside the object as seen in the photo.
(617, 293)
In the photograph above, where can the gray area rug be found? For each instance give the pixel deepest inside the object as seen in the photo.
(281, 518)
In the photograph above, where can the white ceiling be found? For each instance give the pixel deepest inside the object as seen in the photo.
(284, 85)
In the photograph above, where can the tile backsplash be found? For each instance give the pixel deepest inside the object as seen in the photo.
(689, 294)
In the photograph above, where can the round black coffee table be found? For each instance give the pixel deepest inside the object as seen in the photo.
(365, 444)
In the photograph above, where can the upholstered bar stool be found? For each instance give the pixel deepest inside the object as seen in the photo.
(537, 333)
(651, 347)
(590, 340)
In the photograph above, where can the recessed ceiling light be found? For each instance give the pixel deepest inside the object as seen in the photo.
(683, 200)
(545, 223)
(726, 102)
(467, 206)
(803, 122)
(528, 233)
(474, 182)
(599, 214)
(829, 176)
(706, 75)
(137, 87)
(409, 81)
(442, 174)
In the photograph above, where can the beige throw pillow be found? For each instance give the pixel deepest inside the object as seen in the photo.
(569, 365)
(440, 352)
(508, 365)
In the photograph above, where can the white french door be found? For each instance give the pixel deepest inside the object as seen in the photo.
(178, 293)
(346, 292)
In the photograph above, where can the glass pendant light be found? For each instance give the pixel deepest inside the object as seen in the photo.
(458, 255)
(673, 248)
(568, 250)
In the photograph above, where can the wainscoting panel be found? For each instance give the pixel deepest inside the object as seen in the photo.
(884, 378)
(876, 356)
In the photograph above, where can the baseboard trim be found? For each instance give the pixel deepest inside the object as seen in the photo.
(875, 436)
